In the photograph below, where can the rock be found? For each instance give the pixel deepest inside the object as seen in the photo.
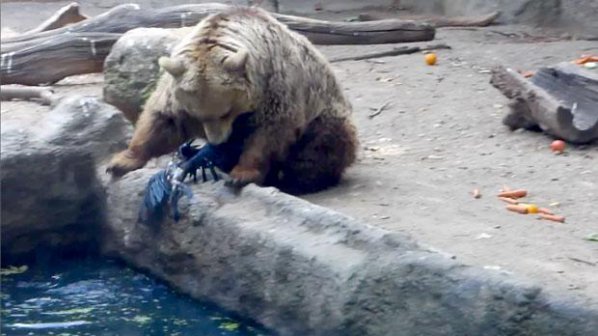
(131, 69)
(301, 269)
(50, 194)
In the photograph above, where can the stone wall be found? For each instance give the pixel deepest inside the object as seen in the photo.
(301, 269)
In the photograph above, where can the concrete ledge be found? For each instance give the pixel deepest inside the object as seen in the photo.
(301, 269)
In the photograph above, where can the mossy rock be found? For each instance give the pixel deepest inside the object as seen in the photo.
(131, 69)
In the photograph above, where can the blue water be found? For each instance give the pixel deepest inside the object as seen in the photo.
(103, 297)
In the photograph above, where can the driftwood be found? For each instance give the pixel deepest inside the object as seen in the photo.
(562, 101)
(49, 56)
(440, 21)
(44, 94)
(393, 52)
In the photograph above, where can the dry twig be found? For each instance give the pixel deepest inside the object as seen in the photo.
(379, 110)
(393, 52)
(44, 94)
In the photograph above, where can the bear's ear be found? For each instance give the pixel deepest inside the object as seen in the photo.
(236, 61)
(173, 66)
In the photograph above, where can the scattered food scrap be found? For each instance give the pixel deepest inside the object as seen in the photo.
(586, 59)
(476, 193)
(545, 211)
(554, 218)
(430, 58)
(519, 193)
(531, 208)
(512, 197)
(517, 208)
(558, 146)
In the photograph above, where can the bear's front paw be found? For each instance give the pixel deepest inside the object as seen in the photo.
(122, 163)
(240, 177)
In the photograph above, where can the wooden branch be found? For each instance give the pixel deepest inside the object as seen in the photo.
(49, 56)
(44, 94)
(393, 52)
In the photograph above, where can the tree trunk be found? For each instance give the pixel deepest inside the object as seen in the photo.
(46, 61)
(49, 56)
(561, 100)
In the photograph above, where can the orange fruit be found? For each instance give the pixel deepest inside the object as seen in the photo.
(430, 58)
(558, 146)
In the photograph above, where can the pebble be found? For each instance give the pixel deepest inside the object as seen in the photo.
(483, 236)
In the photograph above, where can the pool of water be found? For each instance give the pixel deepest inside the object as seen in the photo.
(103, 297)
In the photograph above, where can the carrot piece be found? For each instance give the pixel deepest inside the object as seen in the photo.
(581, 60)
(554, 218)
(545, 211)
(585, 59)
(508, 200)
(517, 208)
(513, 193)
(531, 208)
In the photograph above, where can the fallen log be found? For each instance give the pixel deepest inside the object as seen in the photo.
(79, 48)
(561, 100)
(35, 62)
(373, 32)
(128, 16)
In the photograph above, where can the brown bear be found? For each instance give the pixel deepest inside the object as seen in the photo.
(244, 60)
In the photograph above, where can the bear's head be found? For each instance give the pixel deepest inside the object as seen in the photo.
(212, 86)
